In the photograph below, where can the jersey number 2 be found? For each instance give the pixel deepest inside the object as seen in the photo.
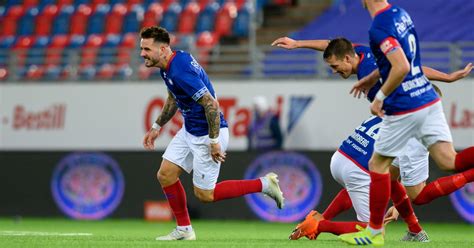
(412, 42)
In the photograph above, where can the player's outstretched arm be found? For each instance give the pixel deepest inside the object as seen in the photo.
(168, 111)
(435, 75)
(364, 85)
(211, 108)
(289, 43)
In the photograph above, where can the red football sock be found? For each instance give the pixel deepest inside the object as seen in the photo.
(403, 205)
(177, 200)
(444, 186)
(337, 228)
(339, 204)
(235, 188)
(464, 159)
(378, 199)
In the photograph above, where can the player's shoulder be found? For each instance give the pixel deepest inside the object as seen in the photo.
(358, 48)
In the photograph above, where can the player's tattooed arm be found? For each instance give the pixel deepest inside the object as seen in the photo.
(211, 108)
(168, 111)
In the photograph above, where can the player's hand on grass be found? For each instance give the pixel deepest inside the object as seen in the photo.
(216, 153)
(460, 74)
(285, 42)
(149, 139)
(391, 215)
(376, 108)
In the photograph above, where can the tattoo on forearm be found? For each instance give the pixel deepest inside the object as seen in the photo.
(168, 111)
(211, 107)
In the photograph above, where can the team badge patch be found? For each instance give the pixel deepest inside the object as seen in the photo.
(300, 182)
(463, 202)
(87, 185)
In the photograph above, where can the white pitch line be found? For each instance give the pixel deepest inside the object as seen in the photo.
(29, 233)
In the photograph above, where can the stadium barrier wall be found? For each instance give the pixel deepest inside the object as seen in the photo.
(29, 184)
(315, 115)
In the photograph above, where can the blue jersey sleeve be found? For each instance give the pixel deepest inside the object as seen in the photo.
(191, 83)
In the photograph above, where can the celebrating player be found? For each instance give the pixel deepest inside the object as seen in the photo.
(200, 145)
(411, 109)
(347, 59)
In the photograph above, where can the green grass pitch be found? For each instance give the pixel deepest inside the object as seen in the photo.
(136, 233)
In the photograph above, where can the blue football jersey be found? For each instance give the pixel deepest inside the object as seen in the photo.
(392, 28)
(188, 82)
(359, 146)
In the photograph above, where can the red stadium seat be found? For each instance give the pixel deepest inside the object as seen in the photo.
(8, 26)
(224, 19)
(45, 19)
(79, 19)
(55, 49)
(240, 3)
(105, 72)
(126, 48)
(90, 49)
(153, 15)
(61, 3)
(21, 48)
(203, 3)
(188, 18)
(29, 3)
(167, 3)
(34, 72)
(114, 20)
(205, 41)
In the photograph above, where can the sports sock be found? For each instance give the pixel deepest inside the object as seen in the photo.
(339, 204)
(464, 159)
(235, 188)
(378, 199)
(404, 207)
(444, 186)
(177, 200)
(339, 227)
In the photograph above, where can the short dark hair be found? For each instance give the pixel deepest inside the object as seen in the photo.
(158, 34)
(339, 47)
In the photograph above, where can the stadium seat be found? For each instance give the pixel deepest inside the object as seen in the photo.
(90, 49)
(10, 20)
(207, 17)
(21, 46)
(45, 3)
(105, 72)
(45, 19)
(61, 3)
(37, 53)
(27, 4)
(55, 50)
(107, 54)
(126, 48)
(188, 18)
(6, 43)
(26, 25)
(114, 20)
(240, 27)
(96, 22)
(171, 17)
(33, 72)
(224, 19)
(167, 3)
(77, 3)
(62, 21)
(205, 42)
(153, 15)
(132, 20)
(80, 19)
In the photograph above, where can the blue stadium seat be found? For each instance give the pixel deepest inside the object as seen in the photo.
(79, 2)
(131, 22)
(112, 2)
(27, 22)
(107, 54)
(96, 22)
(5, 44)
(240, 27)
(207, 17)
(62, 21)
(37, 52)
(171, 17)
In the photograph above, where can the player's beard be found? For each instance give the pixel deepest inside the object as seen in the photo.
(150, 62)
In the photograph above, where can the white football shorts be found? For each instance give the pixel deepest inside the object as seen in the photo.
(428, 125)
(413, 164)
(355, 180)
(193, 153)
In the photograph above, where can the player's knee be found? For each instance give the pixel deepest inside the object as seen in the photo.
(204, 196)
(164, 177)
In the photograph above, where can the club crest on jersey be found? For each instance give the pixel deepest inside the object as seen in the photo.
(87, 185)
(463, 202)
(300, 182)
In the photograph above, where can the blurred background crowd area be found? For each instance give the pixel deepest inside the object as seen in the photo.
(97, 40)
